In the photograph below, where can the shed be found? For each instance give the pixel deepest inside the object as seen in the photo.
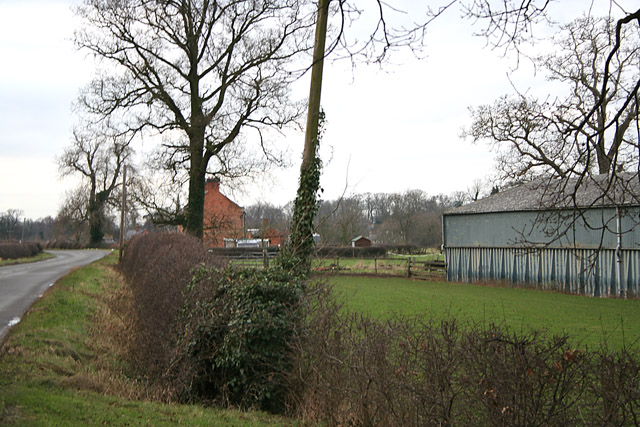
(547, 234)
(360, 242)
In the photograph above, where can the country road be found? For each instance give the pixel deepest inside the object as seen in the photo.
(22, 284)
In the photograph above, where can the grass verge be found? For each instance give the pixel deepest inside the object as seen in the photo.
(594, 322)
(61, 364)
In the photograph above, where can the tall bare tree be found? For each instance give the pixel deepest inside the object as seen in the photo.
(197, 71)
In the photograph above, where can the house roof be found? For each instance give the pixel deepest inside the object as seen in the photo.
(355, 239)
(555, 193)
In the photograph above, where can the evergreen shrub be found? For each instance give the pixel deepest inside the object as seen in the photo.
(237, 326)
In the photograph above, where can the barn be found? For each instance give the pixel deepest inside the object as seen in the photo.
(584, 240)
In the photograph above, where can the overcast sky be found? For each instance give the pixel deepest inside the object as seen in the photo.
(388, 130)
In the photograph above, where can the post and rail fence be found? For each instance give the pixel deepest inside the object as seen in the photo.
(377, 264)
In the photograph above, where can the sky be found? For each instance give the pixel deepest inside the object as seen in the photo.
(389, 130)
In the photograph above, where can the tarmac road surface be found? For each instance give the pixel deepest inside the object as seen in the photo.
(22, 284)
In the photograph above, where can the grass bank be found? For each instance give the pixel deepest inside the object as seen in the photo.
(590, 321)
(61, 365)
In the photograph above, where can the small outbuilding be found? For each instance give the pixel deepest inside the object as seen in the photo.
(550, 235)
(360, 242)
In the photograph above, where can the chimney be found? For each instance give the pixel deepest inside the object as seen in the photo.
(213, 185)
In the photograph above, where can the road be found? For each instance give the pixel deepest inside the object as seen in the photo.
(22, 284)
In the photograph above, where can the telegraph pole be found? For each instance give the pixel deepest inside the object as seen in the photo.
(122, 211)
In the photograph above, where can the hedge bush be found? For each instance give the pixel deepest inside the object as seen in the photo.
(235, 252)
(204, 332)
(350, 252)
(15, 250)
(55, 244)
(236, 328)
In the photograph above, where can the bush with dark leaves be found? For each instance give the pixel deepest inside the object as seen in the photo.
(237, 326)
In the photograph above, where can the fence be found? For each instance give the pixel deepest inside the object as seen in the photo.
(417, 266)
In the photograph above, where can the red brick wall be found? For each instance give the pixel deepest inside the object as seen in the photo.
(222, 217)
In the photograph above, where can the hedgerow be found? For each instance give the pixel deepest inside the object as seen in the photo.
(204, 332)
(15, 250)
(158, 268)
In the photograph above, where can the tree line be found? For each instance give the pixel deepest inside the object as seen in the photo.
(409, 218)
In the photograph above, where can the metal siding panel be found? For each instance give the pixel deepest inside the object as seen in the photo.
(582, 271)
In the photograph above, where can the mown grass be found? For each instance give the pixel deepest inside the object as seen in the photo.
(40, 257)
(60, 365)
(592, 322)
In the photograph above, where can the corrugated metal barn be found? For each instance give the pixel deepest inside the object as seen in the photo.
(514, 236)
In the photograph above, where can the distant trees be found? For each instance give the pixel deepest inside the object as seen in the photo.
(341, 220)
(10, 224)
(409, 218)
(14, 226)
(257, 214)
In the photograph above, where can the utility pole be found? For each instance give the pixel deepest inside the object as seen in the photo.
(304, 210)
(122, 211)
(315, 90)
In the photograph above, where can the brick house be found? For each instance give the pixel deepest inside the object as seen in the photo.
(223, 218)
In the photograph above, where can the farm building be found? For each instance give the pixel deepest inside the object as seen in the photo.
(530, 234)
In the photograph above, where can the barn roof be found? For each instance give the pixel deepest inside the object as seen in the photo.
(555, 193)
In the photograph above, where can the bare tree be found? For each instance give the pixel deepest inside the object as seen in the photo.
(198, 72)
(574, 135)
(10, 224)
(98, 158)
(72, 220)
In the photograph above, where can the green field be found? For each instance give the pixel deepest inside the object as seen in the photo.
(589, 321)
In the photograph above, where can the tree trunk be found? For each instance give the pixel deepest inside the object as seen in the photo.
(194, 212)
(94, 214)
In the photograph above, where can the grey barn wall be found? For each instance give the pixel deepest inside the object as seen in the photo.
(490, 246)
